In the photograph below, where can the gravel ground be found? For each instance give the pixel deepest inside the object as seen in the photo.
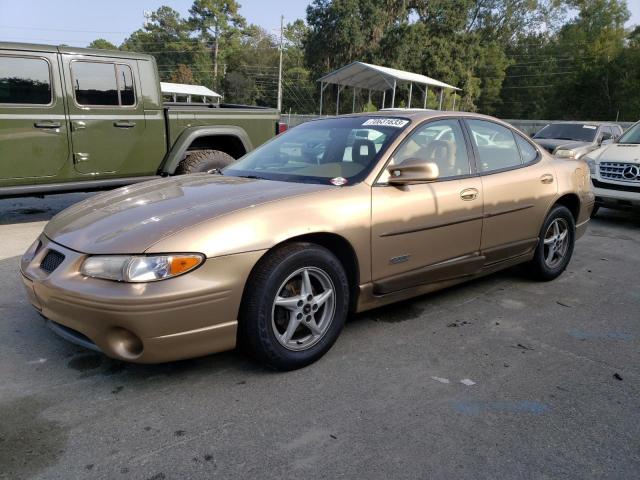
(498, 378)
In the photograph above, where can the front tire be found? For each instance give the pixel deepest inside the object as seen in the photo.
(555, 247)
(198, 161)
(295, 305)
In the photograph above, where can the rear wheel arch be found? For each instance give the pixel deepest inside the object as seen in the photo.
(232, 140)
(571, 201)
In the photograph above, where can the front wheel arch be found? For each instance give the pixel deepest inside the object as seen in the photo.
(338, 246)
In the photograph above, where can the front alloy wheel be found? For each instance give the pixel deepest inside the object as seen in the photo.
(303, 308)
(294, 306)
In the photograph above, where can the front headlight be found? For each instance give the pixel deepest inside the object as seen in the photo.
(565, 153)
(140, 268)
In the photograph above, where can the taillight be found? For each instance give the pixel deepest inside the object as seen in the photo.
(281, 127)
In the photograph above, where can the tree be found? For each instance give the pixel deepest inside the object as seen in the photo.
(215, 20)
(183, 74)
(168, 37)
(102, 44)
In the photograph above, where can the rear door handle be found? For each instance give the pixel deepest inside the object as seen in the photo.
(469, 194)
(546, 178)
(47, 124)
(124, 124)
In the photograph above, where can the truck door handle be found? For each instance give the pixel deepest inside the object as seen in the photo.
(469, 194)
(124, 124)
(80, 157)
(546, 178)
(47, 124)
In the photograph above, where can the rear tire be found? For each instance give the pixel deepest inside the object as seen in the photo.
(294, 307)
(555, 245)
(198, 161)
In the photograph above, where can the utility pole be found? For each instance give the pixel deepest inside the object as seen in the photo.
(280, 68)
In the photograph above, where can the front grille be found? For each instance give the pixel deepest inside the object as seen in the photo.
(51, 261)
(614, 186)
(623, 172)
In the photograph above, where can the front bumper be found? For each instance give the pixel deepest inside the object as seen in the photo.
(616, 194)
(183, 317)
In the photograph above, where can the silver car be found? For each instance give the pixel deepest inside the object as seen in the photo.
(574, 139)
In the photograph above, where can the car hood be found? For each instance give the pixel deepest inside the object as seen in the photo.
(618, 152)
(550, 144)
(131, 219)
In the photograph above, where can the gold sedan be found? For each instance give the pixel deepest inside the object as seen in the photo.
(334, 216)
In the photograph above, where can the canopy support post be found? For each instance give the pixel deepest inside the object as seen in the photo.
(321, 92)
(454, 101)
(353, 107)
(338, 101)
(384, 98)
(369, 98)
(426, 95)
(393, 97)
(410, 92)
(441, 98)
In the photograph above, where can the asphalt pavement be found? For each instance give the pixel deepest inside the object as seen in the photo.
(502, 377)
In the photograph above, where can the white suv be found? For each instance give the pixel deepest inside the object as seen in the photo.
(615, 172)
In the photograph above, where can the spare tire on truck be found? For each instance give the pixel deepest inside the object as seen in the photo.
(197, 161)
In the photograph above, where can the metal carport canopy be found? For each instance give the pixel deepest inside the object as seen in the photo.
(375, 77)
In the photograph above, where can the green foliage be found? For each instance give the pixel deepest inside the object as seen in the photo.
(102, 44)
(511, 58)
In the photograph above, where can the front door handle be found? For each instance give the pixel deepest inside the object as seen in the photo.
(47, 124)
(546, 178)
(124, 124)
(469, 194)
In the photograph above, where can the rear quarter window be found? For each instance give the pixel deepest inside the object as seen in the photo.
(25, 81)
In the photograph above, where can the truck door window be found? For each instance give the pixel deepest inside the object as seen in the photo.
(25, 81)
(102, 84)
(125, 85)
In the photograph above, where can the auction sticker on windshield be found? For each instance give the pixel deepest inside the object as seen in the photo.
(590, 127)
(386, 122)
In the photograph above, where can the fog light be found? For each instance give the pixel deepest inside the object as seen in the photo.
(125, 343)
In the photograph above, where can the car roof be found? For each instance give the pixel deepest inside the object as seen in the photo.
(34, 47)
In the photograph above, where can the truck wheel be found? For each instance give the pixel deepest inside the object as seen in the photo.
(294, 307)
(204, 161)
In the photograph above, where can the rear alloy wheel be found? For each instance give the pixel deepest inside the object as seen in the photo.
(555, 247)
(207, 161)
(294, 307)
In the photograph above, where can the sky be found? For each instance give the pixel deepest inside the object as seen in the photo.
(78, 22)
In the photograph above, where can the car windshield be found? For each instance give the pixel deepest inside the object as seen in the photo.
(581, 132)
(632, 135)
(338, 151)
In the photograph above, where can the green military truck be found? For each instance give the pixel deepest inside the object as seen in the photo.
(75, 119)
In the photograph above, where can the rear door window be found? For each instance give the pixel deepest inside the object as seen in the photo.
(527, 151)
(496, 146)
(102, 84)
(25, 81)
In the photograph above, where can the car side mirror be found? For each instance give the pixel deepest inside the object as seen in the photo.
(413, 171)
(605, 138)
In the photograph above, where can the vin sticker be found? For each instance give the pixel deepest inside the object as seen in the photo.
(386, 122)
